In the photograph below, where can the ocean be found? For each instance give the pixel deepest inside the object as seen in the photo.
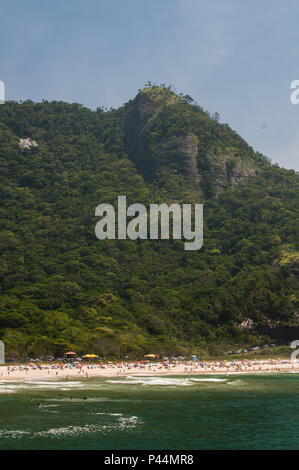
(152, 412)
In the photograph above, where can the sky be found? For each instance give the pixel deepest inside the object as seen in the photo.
(234, 57)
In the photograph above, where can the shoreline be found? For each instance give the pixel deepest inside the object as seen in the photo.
(86, 372)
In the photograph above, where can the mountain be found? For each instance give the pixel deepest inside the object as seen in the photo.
(167, 138)
(62, 288)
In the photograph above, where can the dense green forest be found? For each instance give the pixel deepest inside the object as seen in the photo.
(62, 288)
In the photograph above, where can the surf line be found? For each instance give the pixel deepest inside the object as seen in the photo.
(179, 217)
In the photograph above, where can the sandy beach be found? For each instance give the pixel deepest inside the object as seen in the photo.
(62, 371)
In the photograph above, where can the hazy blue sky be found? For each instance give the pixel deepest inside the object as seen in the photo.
(235, 57)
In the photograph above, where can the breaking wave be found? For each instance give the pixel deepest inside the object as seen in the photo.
(162, 381)
(121, 424)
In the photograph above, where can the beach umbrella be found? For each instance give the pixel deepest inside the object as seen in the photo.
(150, 355)
(70, 353)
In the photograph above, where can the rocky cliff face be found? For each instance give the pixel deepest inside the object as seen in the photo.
(167, 135)
(228, 170)
(175, 153)
(142, 109)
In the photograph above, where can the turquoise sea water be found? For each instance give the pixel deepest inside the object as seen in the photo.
(173, 412)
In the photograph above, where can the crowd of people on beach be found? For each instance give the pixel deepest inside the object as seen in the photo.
(86, 369)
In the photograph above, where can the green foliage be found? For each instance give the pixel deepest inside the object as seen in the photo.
(61, 288)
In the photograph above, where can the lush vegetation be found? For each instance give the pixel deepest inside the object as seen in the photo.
(62, 289)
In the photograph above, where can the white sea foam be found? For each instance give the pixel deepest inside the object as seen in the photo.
(236, 382)
(162, 381)
(129, 423)
(50, 406)
(66, 431)
(7, 390)
(150, 381)
(43, 382)
(12, 387)
(59, 384)
(13, 433)
(121, 424)
(209, 380)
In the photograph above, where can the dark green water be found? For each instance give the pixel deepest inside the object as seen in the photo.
(232, 412)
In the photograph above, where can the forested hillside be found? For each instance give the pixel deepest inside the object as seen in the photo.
(62, 288)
